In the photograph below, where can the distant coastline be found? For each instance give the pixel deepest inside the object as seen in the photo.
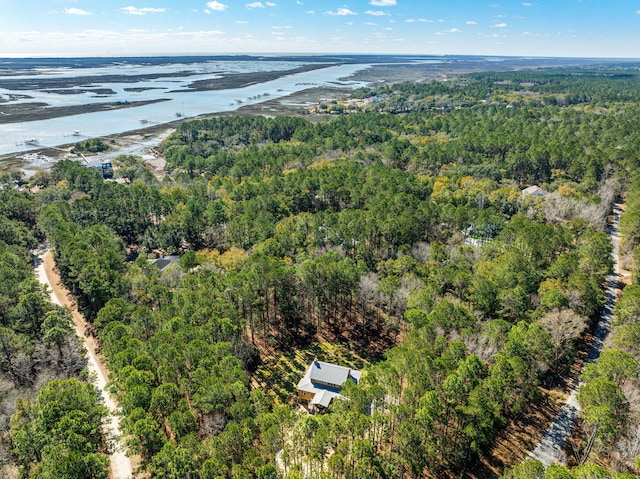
(26, 112)
(49, 98)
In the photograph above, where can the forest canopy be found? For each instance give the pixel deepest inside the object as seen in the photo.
(395, 239)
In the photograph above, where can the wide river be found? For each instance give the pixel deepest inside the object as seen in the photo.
(69, 129)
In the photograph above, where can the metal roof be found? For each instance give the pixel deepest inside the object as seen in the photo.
(534, 190)
(323, 398)
(165, 261)
(324, 381)
(328, 374)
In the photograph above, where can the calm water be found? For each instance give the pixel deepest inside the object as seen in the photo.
(58, 131)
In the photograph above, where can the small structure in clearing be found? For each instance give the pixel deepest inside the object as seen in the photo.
(163, 262)
(322, 383)
(104, 167)
(534, 191)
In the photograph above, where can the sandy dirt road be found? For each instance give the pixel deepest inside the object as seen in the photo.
(122, 466)
(549, 449)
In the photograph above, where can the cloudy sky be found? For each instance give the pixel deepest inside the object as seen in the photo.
(584, 28)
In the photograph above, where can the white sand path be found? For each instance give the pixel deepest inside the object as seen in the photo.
(121, 465)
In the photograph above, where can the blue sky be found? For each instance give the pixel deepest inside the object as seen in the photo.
(584, 28)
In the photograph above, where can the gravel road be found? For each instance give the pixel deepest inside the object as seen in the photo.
(549, 449)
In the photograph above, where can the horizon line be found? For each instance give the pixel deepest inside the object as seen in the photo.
(305, 54)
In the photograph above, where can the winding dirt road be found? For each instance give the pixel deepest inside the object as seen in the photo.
(549, 449)
(122, 466)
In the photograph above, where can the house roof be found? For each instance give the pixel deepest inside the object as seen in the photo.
(534, 190)
(327, 373)
(165, 261)
(324, 381)
(323, 398)
(99, 164)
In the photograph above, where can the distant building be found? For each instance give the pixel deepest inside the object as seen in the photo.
(104, 167)
(371, 99)
(163, 262)
(534, 191)
(322, 383)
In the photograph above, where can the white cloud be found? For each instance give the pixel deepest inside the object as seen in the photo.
(371, 24)
(388, 29)
(471, 22)
(142, 11)
(299, 2)
(376, 13)
(260, 5)
(311, 12)
(241, 22)
(84, 42)
(453, 30)
(217, 6)
(492, 35)
(200, 34)
(500, 25)
(75, 11)
(340, 12)
(384, 3)
(527, 4)
(637, 12)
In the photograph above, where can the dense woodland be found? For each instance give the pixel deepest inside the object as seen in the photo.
(398, 232)
(49, 418)
(609, 429)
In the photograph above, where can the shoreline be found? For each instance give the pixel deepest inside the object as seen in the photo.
(42, 111)
(37, 110)
(294, 104)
